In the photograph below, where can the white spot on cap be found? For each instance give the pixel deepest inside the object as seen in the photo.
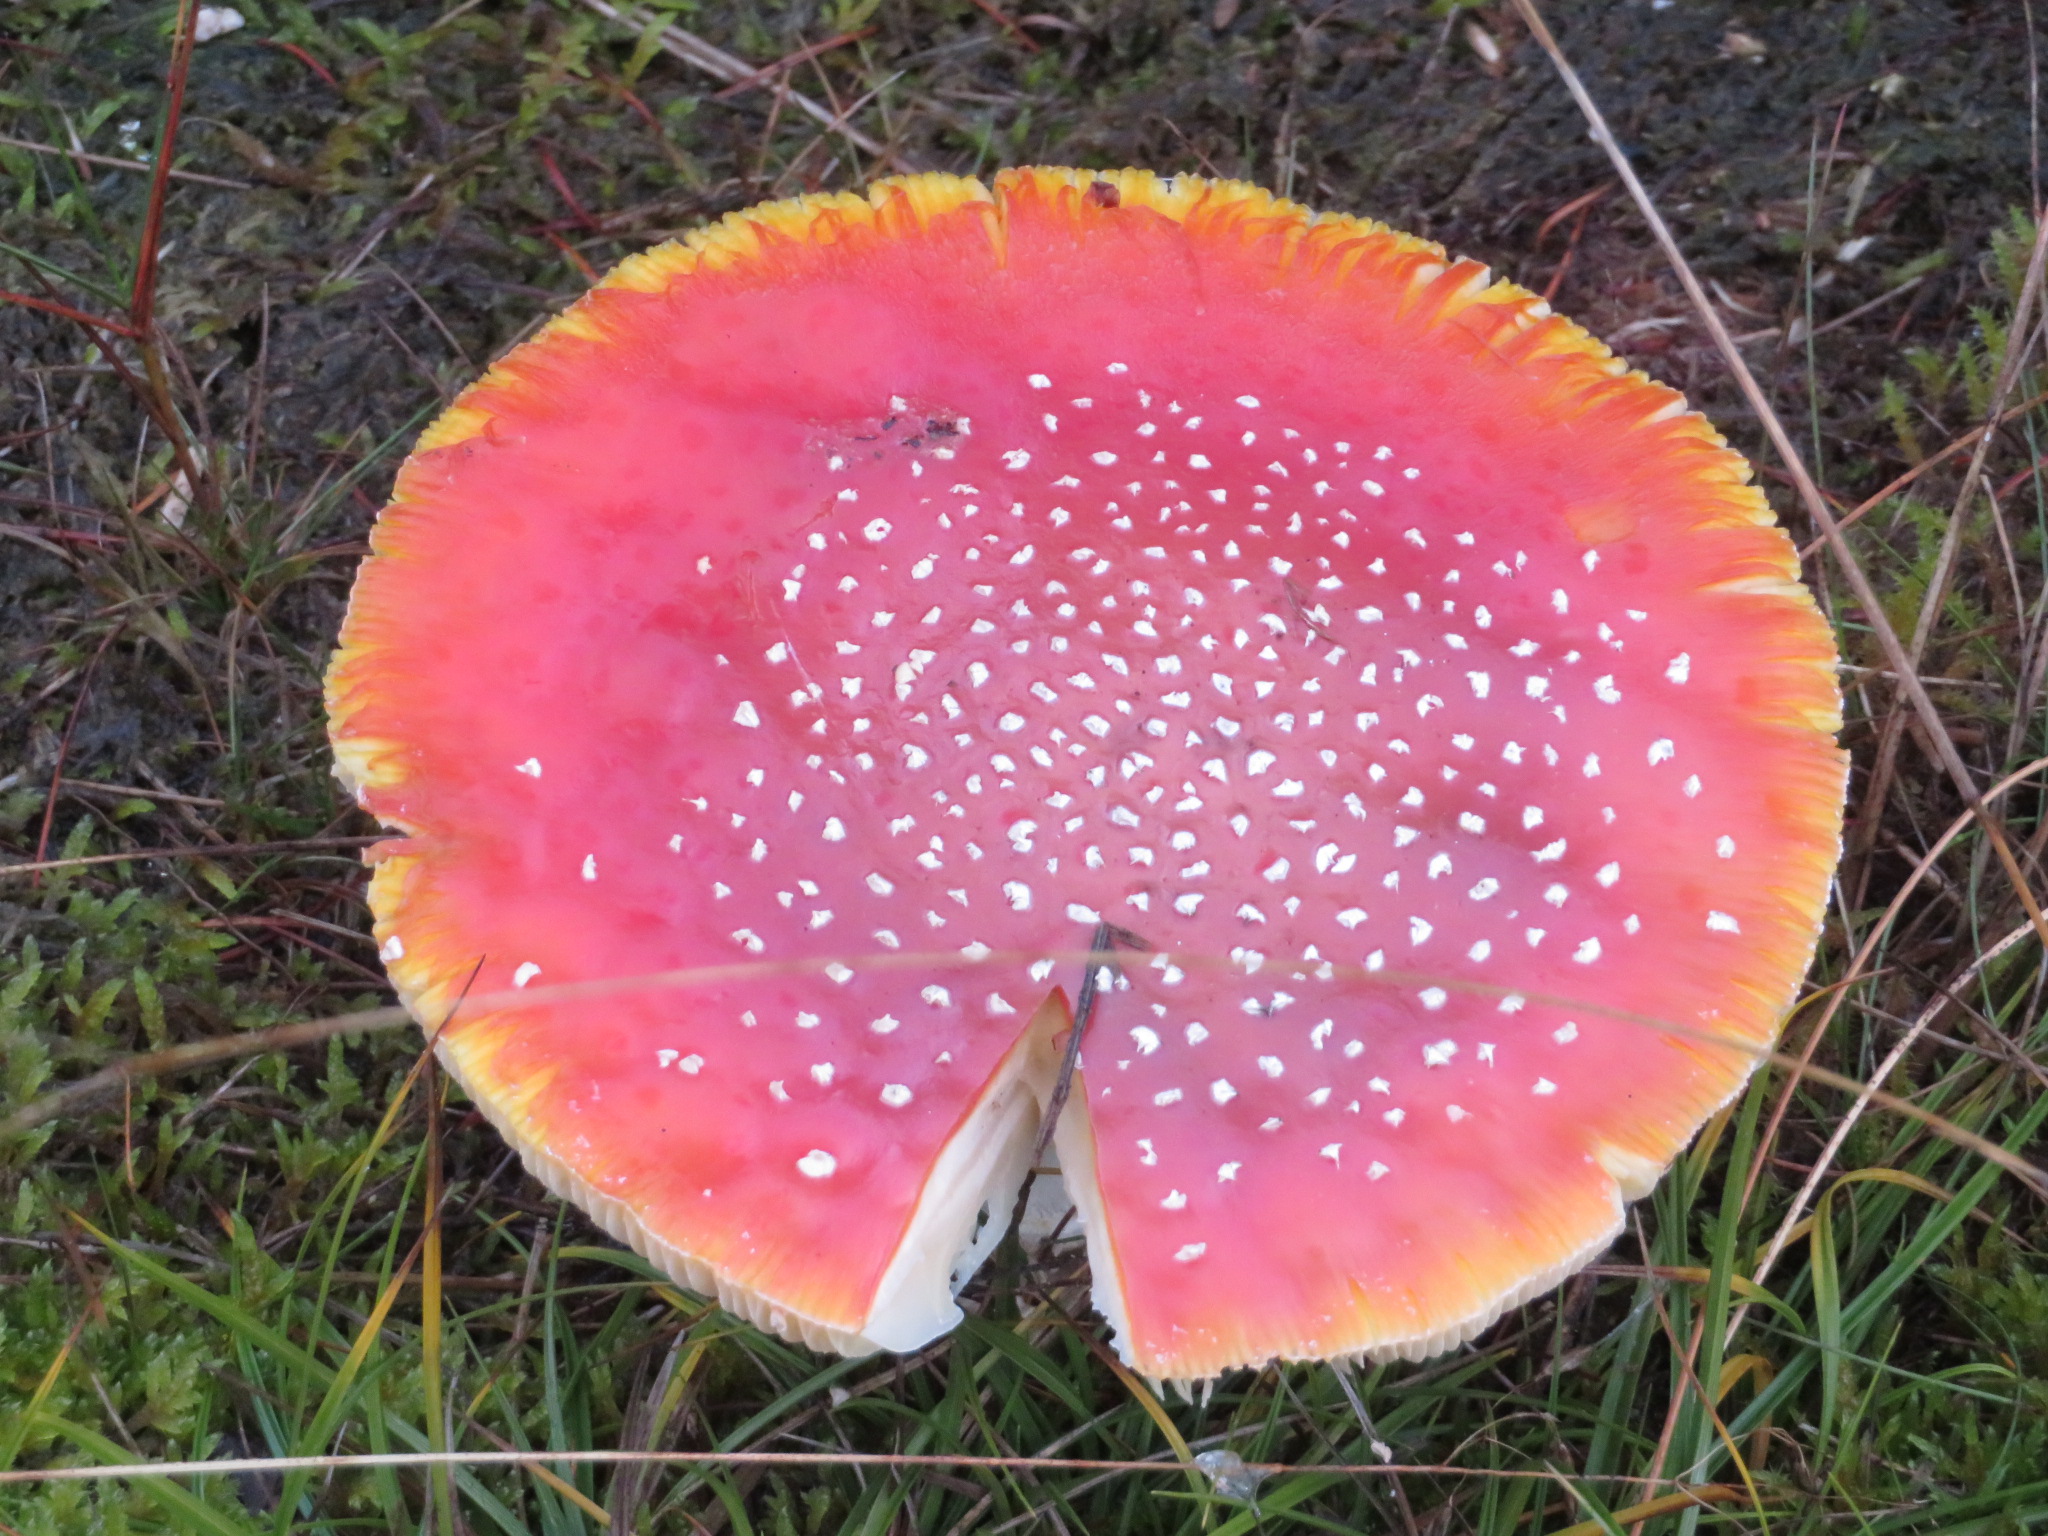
(392, 948)
(1440, 1053)
(1721, 922)
(835, 830)
(1166, 1097)
(817, 1164)
(590, 866)
(1662, 750)
(1191, 1252)
(531, 768)
(1565, 1033)
(1249, 402)
(1587, 952)
(1605, 691)
(1725, 847)
(1039, 381)
(1544, 1086)
(1609, 873)
(1334, 1151)
(746, 714)
(1433, 998)
(1680, 668)
(1221, 1091)
(895, 1095)
(1174, 1201)
(525, 973)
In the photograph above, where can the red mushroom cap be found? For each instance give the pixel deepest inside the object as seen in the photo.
(868, 595)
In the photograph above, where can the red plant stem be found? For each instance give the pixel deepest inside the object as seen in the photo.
(142, 305)
(142, 302)
(76, 316)
(64, 751)
(562, 187)
(303, 57)
(575, 256)
(988, 8)
(646, 112)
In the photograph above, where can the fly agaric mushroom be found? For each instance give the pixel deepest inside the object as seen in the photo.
(866, 597)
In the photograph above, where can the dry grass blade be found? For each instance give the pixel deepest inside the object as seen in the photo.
(1870, 1092)
(798, 1459)
(1936, 595)
(720, 65)
(197, 1053)
(183, 1058)
(1862, 958)
(1795, 464)
(1900, 482)
(209, 851)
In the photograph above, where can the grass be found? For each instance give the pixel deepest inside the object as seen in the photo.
(314, 1250)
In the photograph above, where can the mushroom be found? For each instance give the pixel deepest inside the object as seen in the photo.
(859, 601)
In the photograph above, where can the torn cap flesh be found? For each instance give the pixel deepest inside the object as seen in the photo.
(865, 594)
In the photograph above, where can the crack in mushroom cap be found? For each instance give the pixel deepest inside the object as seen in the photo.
(881, 590)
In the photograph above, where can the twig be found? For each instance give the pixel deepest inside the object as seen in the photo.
(1101, 963)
